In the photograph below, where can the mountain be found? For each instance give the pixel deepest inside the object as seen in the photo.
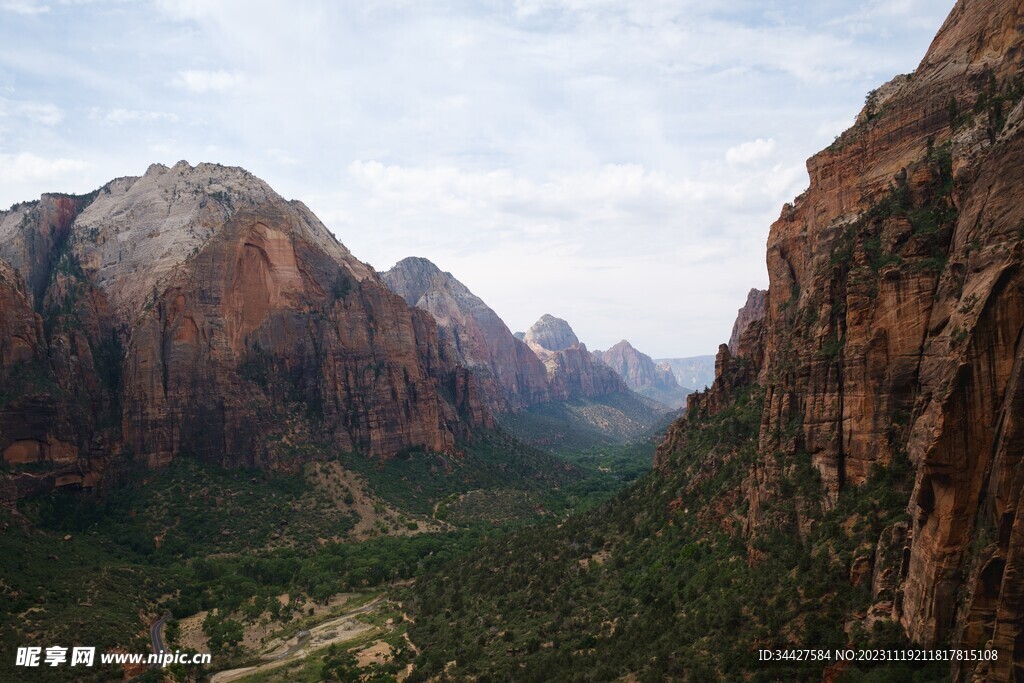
(752, 311)
(694, 371)
(853, 476)
(193, 310)
(551, 334)
(891, 340)
(509, 373)
(572, 372)
(642, 376)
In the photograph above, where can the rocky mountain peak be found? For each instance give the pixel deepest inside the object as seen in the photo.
(511, 375)
(551, 333)
(137, 231)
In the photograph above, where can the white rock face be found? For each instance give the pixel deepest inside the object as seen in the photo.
(551, 334)
(139, 230)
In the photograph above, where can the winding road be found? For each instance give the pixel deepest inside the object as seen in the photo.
(156, 635)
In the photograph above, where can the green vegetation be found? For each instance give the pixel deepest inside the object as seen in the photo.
(416, 480)
(193, 537)
(661, 581)
(567, 427)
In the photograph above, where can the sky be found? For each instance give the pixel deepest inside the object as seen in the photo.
(617, 164)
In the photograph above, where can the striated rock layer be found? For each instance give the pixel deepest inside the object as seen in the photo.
(194, 310)
(510, 375)
(893, 331)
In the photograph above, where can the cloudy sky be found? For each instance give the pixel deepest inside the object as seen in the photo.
(613, 163)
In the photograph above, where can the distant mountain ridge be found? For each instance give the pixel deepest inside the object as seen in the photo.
(572, 371)
(548, 391)
(642, 375)
(511, 375)
(693, 371)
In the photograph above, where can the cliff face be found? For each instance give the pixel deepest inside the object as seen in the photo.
(509, 374)
(752, 311)
(194, 310)
(893, 333)
(641, 375)
(572, 372)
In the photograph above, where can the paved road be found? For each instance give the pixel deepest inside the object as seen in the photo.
(156, 635)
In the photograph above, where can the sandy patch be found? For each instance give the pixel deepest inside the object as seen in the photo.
(281, 652)
(378, 653)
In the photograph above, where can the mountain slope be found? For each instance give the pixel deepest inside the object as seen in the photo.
(572, 371)
(640, 374)
(510, 375)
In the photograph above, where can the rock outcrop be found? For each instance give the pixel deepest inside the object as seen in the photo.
(892, 333)
(193, 310)
(550, 334)
(752, 311)
(641, 375)
(510, 375)
(572, 372)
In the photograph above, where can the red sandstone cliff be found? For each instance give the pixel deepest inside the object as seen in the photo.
(894, 329)
(194, 310)
(752, 311)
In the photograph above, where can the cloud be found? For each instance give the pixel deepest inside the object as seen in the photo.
(28, 167)
(118, 116)
(581, 153)
(750, 152)
(201, 81)
(43, 113)
(25, 7)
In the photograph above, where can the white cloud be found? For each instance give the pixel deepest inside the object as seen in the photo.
(750, 152)
(118, 116)
(581, 153)
(26, 7)
(43, 113)
(201, 81)
(28, 167)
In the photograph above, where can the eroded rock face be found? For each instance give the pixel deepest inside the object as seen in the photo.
(572, 371)
(752, 311)
(21, 330)
(895, 312)
(59, 359)
(509, 374)
(212, 317)
(893, 332)
(31, 235)
(641, 375)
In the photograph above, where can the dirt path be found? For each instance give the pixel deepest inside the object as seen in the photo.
(337, 482)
